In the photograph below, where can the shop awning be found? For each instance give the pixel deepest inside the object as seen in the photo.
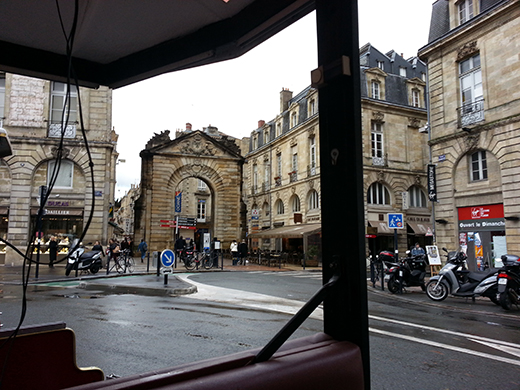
(421, 228)
(382, 227)
(293, 231)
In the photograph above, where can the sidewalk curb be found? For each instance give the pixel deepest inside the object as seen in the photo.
(138, 290)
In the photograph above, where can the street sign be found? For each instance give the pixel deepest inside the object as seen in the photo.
(166, 270)
(395, 221)
(168, 226)
(167, 257)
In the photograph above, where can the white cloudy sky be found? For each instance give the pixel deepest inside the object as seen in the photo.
(234, 95)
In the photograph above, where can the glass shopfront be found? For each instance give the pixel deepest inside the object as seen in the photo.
(482, 235)
(66, 225)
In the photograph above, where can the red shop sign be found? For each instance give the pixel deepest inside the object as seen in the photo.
(481, 212)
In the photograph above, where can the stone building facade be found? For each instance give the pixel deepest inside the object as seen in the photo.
(32, 113)
(282, 177)
(177, 176)
(473, 68)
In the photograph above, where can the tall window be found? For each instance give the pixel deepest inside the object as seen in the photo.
(312, 152)
(376, 144)
(416, 197)
(255, 178)
(378, 194)
(479, 166)
(465, 10)
(64, 105)
(255, 142)
(294, 163)
(313, 200)
(279, 207)
(267, 172)
(470, 80)
(201, 210)
(279, 165)
(416, 98)
(2, 96)
(64, 178)
(376, 90)
(296, 204)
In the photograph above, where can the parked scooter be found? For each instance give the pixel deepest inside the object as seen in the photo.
(509, 282)
(455, 279)
(409, 272)
(83, 261)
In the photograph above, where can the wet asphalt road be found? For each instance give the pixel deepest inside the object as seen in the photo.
(415, 344)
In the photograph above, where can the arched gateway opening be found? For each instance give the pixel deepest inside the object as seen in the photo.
(197, 177)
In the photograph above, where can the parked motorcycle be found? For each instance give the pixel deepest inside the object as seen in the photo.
(83, 261)
(455, 279)
(408, 272)
(509, 282)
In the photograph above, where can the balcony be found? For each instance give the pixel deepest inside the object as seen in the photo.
(379, 161)
(265, 187)
(277, 181)
(293, 176)
(470, 113)
(254, 190)
(311, 170)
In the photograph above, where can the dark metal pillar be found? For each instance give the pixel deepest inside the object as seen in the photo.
(338, 80)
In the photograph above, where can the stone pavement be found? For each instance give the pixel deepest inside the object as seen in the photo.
(143, 280)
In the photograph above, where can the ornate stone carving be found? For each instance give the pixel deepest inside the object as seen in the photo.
(472, 141)
(467, 50)
(378, 116)
(293, 141)
(311, 131)
(198, 146)
(380, 176)
(65, 152)
(417, 180)
(414, 122)
(311, 184)
(158, 139)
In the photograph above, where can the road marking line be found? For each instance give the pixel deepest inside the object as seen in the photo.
(440, 330)
(500, 347)
(290, 306)
(446, 346)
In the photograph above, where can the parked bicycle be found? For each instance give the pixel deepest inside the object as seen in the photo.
(193, 259)
(123, 262)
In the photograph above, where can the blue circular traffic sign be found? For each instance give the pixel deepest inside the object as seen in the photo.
(167, 257)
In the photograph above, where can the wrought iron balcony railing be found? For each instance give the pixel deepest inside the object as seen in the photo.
(470, 113)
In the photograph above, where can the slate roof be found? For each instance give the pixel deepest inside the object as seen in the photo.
(439, 23)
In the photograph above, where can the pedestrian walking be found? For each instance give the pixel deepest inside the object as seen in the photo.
(242, 251)
(143, 247)
(53, 251)
(180, 244)
(234, 252)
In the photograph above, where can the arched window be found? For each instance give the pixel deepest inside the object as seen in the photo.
(416, 197)
(279, 207)
(378, 194)
(313, 200)
(295, 202)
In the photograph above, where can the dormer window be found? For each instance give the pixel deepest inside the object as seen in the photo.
(294, 119)
(376, 90)
(465, 10)
(381, 65)
(416, 98)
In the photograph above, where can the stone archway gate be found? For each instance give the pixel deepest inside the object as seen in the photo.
(165, 163)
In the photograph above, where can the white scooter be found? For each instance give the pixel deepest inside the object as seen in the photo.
(83, 261)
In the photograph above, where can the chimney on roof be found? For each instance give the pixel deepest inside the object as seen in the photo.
(188, 126)
(261, 123)
(285, 96)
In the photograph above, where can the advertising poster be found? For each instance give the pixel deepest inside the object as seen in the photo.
(433, 255)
